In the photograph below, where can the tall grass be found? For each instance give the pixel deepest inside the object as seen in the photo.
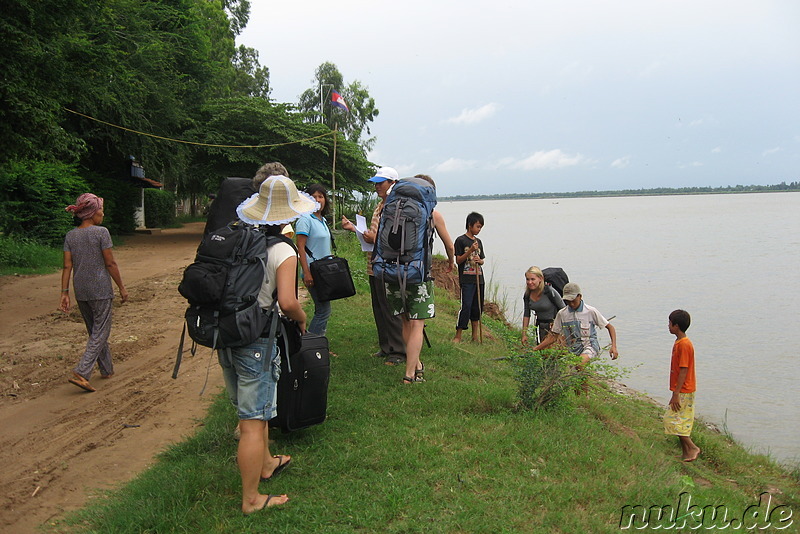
(455, 454)
(19, 255)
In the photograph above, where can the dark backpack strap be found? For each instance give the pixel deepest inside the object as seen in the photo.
(179, 357)
(551, 294)
(333, 242)
(273, 328)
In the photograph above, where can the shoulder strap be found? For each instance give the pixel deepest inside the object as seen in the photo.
(551, 294)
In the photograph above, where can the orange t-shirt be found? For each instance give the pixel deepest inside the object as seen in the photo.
(682, 356)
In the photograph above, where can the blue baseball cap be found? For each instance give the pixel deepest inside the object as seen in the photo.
(383, 174)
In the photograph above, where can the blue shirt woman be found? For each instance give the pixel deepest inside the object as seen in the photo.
(314, 243)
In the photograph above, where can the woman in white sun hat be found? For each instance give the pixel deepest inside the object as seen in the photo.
(251, 385)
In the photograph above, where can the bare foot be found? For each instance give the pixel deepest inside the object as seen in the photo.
(692, 455)
(267, 502)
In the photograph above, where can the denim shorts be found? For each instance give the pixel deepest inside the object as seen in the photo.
(252, 386)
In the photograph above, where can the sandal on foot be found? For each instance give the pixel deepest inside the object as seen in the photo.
(81, 382)
(412, 379)
(420, 373)
(266, 505)
(277, 470)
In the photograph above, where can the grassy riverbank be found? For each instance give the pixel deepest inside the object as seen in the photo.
(451, 455)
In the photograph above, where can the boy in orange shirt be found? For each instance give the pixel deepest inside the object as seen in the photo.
(679, 417)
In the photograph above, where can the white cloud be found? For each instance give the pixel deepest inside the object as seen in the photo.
(770, 151)
(472, 116)
(550, 159)
(621, 163)
(716, 150)
(455, 165)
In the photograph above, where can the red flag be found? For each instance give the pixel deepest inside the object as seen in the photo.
(338, 101)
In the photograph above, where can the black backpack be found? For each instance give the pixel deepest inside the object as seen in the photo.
(556, 277)
(232, 191)
(222, 287)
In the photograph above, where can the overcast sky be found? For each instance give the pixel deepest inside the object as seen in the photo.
(528, 96)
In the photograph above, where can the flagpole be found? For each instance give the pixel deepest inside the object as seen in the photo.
(321, 101)
(333, 174)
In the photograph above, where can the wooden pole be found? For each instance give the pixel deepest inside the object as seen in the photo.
(478, 295)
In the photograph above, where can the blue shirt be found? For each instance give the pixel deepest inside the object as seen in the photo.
(318, 233)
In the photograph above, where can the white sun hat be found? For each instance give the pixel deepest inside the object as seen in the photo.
(277, 202)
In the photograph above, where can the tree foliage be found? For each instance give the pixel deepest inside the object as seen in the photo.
(354, 125)
(169, 68)
(305, 149)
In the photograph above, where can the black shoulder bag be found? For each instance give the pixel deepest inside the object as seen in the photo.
(332, 278)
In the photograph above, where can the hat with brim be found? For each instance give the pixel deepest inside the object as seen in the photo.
(277, 202)
(383, 174)
(571, 291)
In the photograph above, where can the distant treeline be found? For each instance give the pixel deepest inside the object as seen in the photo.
(783, 186)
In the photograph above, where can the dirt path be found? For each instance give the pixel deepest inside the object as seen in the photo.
(58, 444)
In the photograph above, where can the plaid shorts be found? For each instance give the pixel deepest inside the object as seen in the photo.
(418, 300)
(680, 423)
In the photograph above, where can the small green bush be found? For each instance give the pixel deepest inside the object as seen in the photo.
(159, 208)
(547, 378)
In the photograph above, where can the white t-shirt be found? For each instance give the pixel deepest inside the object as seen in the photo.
(276, 255)
(579, 327)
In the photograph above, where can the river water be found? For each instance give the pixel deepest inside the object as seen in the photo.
(730, 260)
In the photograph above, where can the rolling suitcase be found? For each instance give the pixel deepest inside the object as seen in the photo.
(303, 385)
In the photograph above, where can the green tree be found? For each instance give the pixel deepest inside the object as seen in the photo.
(250, 78)
(354, 125)
(306, 149)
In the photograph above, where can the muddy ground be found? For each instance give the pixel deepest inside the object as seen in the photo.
(59, 444)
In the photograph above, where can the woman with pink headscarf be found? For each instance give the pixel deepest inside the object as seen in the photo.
(87, 252)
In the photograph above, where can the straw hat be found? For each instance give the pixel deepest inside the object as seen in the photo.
(277, 202)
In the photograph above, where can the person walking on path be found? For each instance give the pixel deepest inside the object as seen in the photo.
(389, 326)
(88, 258)
(314, 243)
(470, 257)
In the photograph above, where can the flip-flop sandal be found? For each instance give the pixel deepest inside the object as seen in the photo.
(85, 385)
(281, 467)
(266, 504)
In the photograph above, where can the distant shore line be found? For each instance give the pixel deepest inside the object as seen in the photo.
(661, 191)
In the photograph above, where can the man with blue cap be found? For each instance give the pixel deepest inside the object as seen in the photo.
(390, 326)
